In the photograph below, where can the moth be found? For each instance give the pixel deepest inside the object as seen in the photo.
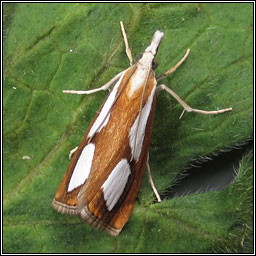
(104, 176)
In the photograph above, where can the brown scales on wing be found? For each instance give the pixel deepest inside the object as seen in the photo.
(64, 201)
(112, 145)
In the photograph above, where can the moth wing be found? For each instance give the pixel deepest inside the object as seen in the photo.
(65, 200)
(107, 199)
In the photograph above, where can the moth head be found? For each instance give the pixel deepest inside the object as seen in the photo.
(156, 40)
(148, 57)
(154, 61)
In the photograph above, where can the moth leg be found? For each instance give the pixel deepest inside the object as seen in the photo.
(127, 48)
(72, 151)
(151, 181)
(172, 69)
(102, 88)
(186, 106)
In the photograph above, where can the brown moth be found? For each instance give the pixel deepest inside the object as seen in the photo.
(104, 176)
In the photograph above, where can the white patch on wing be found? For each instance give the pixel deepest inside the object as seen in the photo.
(104, 115)
(115, 184)
(138, 79)
(82, 168)
(136, 149)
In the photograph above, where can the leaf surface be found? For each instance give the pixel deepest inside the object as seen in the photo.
(49, 47)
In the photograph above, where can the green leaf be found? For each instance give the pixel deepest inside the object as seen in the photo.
(49, 47)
